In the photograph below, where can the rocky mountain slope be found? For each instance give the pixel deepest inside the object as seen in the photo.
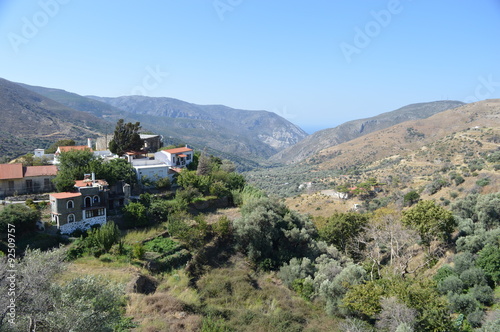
(408, 136)
(30, 120)
(353, 129)
(241, 135)
(269, 131)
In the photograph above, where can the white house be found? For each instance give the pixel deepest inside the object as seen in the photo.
(178, 157)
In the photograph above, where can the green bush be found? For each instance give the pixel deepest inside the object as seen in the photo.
(22, 217)
(473, 276)
(483, 182)
(162, 245)
(489, 261)
(483, 294)
(138, 251)
(463, 303)
(452, 284)
(444, 272)
(97, 242)
(463, 261)
(135, 215)
(475, 318)
(268, 230)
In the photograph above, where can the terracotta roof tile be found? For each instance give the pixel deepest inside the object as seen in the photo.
(73, 147)
(83, 183)
(65, 195)
(11, 171)
(40, 170)
(178, 150)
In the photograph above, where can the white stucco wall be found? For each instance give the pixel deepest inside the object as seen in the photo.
(82, 225)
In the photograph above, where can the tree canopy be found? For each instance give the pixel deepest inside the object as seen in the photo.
(126, 138)
(429, 220)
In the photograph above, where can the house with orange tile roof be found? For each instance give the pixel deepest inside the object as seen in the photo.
(62, 149)
(16, 179)
(81, 209)
(178, 157)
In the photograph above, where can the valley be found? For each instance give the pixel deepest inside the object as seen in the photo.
(381, 224)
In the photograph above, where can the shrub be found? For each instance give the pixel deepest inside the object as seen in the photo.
(452, 284)
(135, 215)
(473, 276)
(475, 318)
(444, 272)
(463, 261)
(429, 220)
(341, 228)
(269, 230)
(138, 251)
(483, 294)
(489, 261)
(483, 182)
(162, 245)
(463, 303)
(22, 217)
(295, 269)
(163, 183)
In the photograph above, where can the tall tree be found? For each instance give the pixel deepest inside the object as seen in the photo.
(72, 166)
(126, 138)
(429, 220)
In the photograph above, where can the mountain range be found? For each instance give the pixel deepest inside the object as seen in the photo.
(410, 137)
(30, 120)
(353, 129)
(241, 135)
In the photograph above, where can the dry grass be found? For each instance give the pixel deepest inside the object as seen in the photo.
(162, 312)
(120, 273)
(135, 236)
(319, 204)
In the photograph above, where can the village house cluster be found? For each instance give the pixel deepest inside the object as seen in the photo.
(92, 199)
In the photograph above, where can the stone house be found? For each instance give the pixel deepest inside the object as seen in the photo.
(16, 179)
(81, 209)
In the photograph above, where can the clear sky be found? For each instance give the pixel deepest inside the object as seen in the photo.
(318, 63)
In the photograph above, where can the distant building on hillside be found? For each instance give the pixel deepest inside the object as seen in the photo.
(151, 143)
(16, 179)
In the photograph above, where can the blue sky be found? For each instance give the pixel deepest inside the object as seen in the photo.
(317, 63)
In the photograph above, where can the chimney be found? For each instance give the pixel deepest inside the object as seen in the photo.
(89, 143)
(93, 177)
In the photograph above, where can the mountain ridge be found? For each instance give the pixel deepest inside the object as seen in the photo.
(30, 120)
(352, 129)
(247, 136)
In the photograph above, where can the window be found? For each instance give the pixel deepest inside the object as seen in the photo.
(94, 213)
(188, 156)
(96, 199)
(70, 204)
(29, 184)
(71, 218)
(88, 201)
(46, 183)
(11, 185)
